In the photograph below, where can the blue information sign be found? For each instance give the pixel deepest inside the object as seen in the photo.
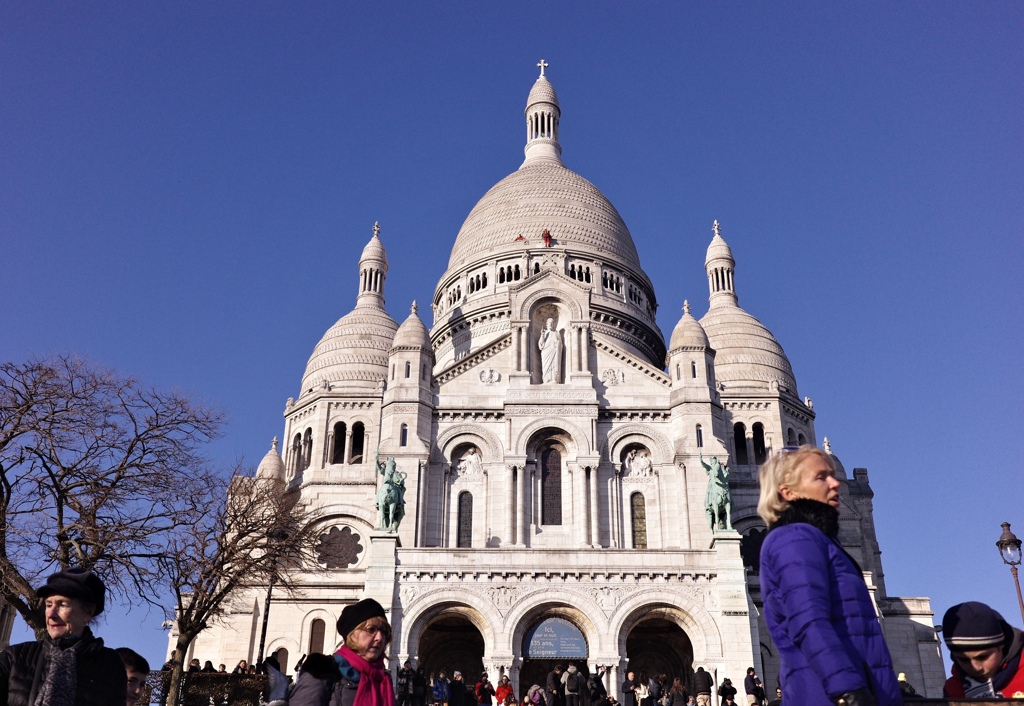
(555, 638)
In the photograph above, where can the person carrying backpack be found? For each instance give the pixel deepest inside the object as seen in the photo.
(572, 682)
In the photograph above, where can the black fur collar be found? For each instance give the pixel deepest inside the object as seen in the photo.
(811, 512)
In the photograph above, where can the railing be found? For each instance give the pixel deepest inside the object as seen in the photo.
(206, 689)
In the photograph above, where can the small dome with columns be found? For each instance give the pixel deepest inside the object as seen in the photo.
(353, 354)
(688, 333)
(747, 354)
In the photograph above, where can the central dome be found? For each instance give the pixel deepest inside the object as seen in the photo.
(543, 194)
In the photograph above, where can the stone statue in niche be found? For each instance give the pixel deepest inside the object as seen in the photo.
(550, 346)
(469, 464)
(638, 464)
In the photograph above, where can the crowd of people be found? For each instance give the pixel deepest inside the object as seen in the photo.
(816, 605)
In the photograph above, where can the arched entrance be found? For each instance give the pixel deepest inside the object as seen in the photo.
(452, 643)
(659, 646)
(551, 641)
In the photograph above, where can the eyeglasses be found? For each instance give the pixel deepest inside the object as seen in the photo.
(383, 630)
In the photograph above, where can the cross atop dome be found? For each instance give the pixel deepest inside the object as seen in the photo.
(716, 229)
(543, 65)
(376, 229)
(686, 306)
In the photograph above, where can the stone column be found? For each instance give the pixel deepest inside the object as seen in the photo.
(517, 345)
(421, 503)
(446, 498)
(521, 480)
(581, 496)
(585, 348)
(595, 535)
(329, 448)
(510, 511)
(537, 495)
(687, 542)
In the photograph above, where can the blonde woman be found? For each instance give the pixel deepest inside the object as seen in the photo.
(816, 604)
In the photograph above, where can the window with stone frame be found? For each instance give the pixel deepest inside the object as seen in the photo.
(551, 487)
(638, 515)
(464, 538)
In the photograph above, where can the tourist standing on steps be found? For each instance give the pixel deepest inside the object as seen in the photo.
(441, 689)
(457, 690)
(484, 691)
(503, 690)
(629, 687)
(702, 683)
(69, 665)
(727, 692)
(819, 612)
(677, 695)
(404, 684)
(553, 685)
(572, 685)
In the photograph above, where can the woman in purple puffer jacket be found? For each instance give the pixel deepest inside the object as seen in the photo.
(816, 604)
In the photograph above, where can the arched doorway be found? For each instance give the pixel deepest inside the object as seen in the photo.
(659, 646)
(452, 643)
(551, 641)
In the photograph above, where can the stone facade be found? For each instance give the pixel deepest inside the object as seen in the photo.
(559, 484)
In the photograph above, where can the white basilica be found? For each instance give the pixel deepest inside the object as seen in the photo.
(552, 445)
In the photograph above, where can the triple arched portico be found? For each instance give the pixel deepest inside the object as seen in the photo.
(521, 628)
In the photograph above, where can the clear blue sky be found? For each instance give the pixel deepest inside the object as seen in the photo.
(185, 189)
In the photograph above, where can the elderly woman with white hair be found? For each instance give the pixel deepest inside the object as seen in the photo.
(69, 666)
(816, 604)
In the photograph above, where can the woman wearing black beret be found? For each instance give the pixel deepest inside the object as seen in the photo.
(357, 674)
(69, 666)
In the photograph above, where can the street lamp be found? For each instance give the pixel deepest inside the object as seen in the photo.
(1009, 550)
(276, 536)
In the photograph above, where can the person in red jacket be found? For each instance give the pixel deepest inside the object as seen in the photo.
(504, 690)
(986, 653)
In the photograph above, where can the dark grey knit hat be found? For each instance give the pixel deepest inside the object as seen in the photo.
(76, 583)
(356, 613)
(974, 626)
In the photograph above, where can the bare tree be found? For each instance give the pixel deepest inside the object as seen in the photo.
(96, 470)
(249, 535)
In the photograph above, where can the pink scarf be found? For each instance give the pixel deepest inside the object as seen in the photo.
(374, 684)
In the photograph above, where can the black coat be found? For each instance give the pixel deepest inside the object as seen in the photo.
(102, 680)
(457, 693)
(702, 682)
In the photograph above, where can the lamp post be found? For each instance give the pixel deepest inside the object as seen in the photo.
(1009, 550)
(276, 536)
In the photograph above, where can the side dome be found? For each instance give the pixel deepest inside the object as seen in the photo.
(543, 194)
(688, 333)
(272, 466)
(747, 352)
(840, 469)
(353, 354)
(412, 333)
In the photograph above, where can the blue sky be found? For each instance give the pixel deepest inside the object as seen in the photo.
(185, 189)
